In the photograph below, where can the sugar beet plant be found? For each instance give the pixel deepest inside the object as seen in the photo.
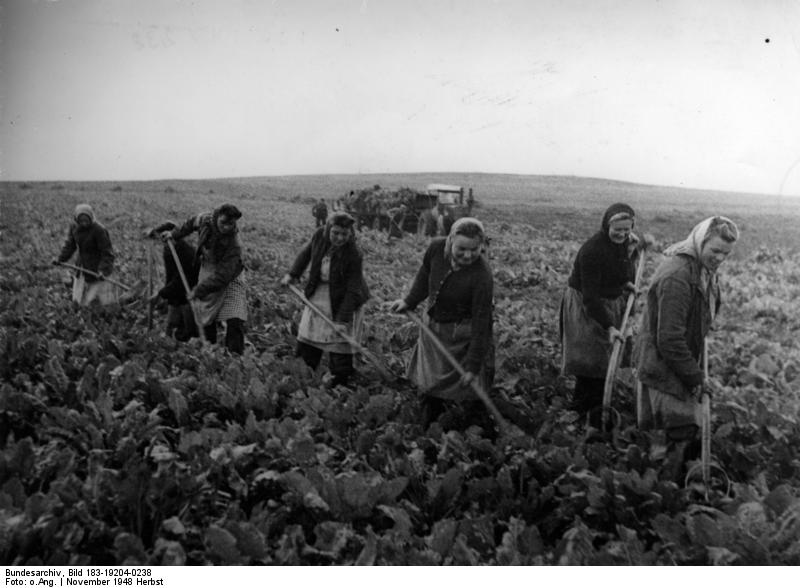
(121, 446)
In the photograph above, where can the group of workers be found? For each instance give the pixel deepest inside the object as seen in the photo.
(455, 279)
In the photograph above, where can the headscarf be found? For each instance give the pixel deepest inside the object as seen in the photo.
(692, 246)
(458, 228)
(615, 212)
(83, 209)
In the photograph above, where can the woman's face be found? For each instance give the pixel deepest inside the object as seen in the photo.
(714, 252)
(619, 230)
(225, 224)
(339, 235)
(466, 250)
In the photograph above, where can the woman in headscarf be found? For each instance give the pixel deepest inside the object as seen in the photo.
(594, 303)
(220, 294)
(95, 254)
(336, 286)
(457, 282)
(180, 319)
(682, 302)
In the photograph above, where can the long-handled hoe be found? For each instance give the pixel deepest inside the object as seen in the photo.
(382, 370)
(94, 274)
(476, 387)
(149, 252)
(188, 290)
(616, 352)
(705, 464)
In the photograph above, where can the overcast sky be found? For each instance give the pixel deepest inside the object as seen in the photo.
(674, 92)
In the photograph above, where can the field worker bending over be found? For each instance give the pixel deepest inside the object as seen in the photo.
(593, 305)
(220, 293)
(180, 320)
(95, 254)
(337, 287)
(456, 280)
(682, 302)
(320, 212)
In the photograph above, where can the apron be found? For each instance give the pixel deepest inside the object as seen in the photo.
(314, 331)
(228, 303)
(584, 343)
(84, 292)
(430, 370)
(665, 411)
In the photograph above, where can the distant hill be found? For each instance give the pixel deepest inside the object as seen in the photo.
(489, 189)
(571, 203)
(512, 189)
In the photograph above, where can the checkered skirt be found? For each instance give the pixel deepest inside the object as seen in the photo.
(228, 303)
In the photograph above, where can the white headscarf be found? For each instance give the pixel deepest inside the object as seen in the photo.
(83, 209)
(693, 244)
(693, 247)
(459, 225)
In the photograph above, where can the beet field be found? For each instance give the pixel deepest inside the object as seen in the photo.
(121, 446)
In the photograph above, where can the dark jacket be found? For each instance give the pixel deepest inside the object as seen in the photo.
(348, 288)
(223, 251)
(173, 291)
(601, 270)
(454, 296)
(93, 244)
(320, 210)
(676, 319)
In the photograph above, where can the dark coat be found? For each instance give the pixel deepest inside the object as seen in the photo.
(93, 244)
(600, 272)
(173, 291)
(348, 288)
(677, 317)
(223, 251)
(320, 211)
(454, 296)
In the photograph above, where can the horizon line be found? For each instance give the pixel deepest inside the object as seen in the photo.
(416, 173)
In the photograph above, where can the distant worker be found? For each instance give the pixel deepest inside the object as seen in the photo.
(220, 294)
(397, 217)
(95, 255)
(180, 319)
(382, 213)
(320, 212)
(470, 202)
(444, 219)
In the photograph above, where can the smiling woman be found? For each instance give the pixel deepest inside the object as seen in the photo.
(457, 282)
(682, 302)
(594, 302)
(337, 289)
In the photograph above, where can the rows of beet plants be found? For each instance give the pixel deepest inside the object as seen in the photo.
(121, 446)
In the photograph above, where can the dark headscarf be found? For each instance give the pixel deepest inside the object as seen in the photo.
(617, 211)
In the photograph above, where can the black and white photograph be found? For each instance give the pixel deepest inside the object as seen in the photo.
(423, 283)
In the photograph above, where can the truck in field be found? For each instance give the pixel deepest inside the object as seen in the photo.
(430, 211)
(443, 205)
